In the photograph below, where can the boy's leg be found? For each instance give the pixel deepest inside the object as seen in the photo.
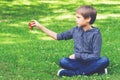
(65, 72)
(70, 64)
(70, 67)
(96, 66)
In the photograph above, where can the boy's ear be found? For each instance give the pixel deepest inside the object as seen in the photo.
(88, 19)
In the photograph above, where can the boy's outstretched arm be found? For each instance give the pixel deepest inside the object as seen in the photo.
(44, 29)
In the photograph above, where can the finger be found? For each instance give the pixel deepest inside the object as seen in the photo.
(32, 24)
(33, 20)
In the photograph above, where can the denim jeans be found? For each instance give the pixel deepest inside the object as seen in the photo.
(74, 67)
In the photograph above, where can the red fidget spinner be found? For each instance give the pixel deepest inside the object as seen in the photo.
(30, 26)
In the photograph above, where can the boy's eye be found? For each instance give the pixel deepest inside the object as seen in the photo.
(78, 17)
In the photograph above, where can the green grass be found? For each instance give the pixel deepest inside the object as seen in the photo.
(32, 55)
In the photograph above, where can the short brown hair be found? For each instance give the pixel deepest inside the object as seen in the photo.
(88, 11)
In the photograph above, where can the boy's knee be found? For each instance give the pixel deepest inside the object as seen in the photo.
(105, 60)
(63, 60)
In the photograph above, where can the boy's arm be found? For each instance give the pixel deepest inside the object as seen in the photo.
(44, 29)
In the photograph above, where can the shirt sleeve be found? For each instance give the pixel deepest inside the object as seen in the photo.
(65, 35)
(97, 42)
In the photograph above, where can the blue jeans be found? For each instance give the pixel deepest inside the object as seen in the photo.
(74, 67)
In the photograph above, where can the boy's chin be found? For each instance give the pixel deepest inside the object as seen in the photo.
(78, 25)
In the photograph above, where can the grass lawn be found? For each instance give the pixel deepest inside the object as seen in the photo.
(32, 55)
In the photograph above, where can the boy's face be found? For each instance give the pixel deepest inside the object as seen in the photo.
(81, 21)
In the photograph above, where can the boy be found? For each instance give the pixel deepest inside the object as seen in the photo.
(87, 45)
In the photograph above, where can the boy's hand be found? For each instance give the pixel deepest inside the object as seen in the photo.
(34, 23)
(72, 56)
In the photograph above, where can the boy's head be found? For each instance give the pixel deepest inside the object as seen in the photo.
(87, 12)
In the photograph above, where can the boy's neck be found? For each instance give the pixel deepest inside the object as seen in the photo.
(87, 27)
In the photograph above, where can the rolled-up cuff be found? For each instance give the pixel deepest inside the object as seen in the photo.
(58, 37)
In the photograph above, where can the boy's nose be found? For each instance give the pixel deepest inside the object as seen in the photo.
(76, 20)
